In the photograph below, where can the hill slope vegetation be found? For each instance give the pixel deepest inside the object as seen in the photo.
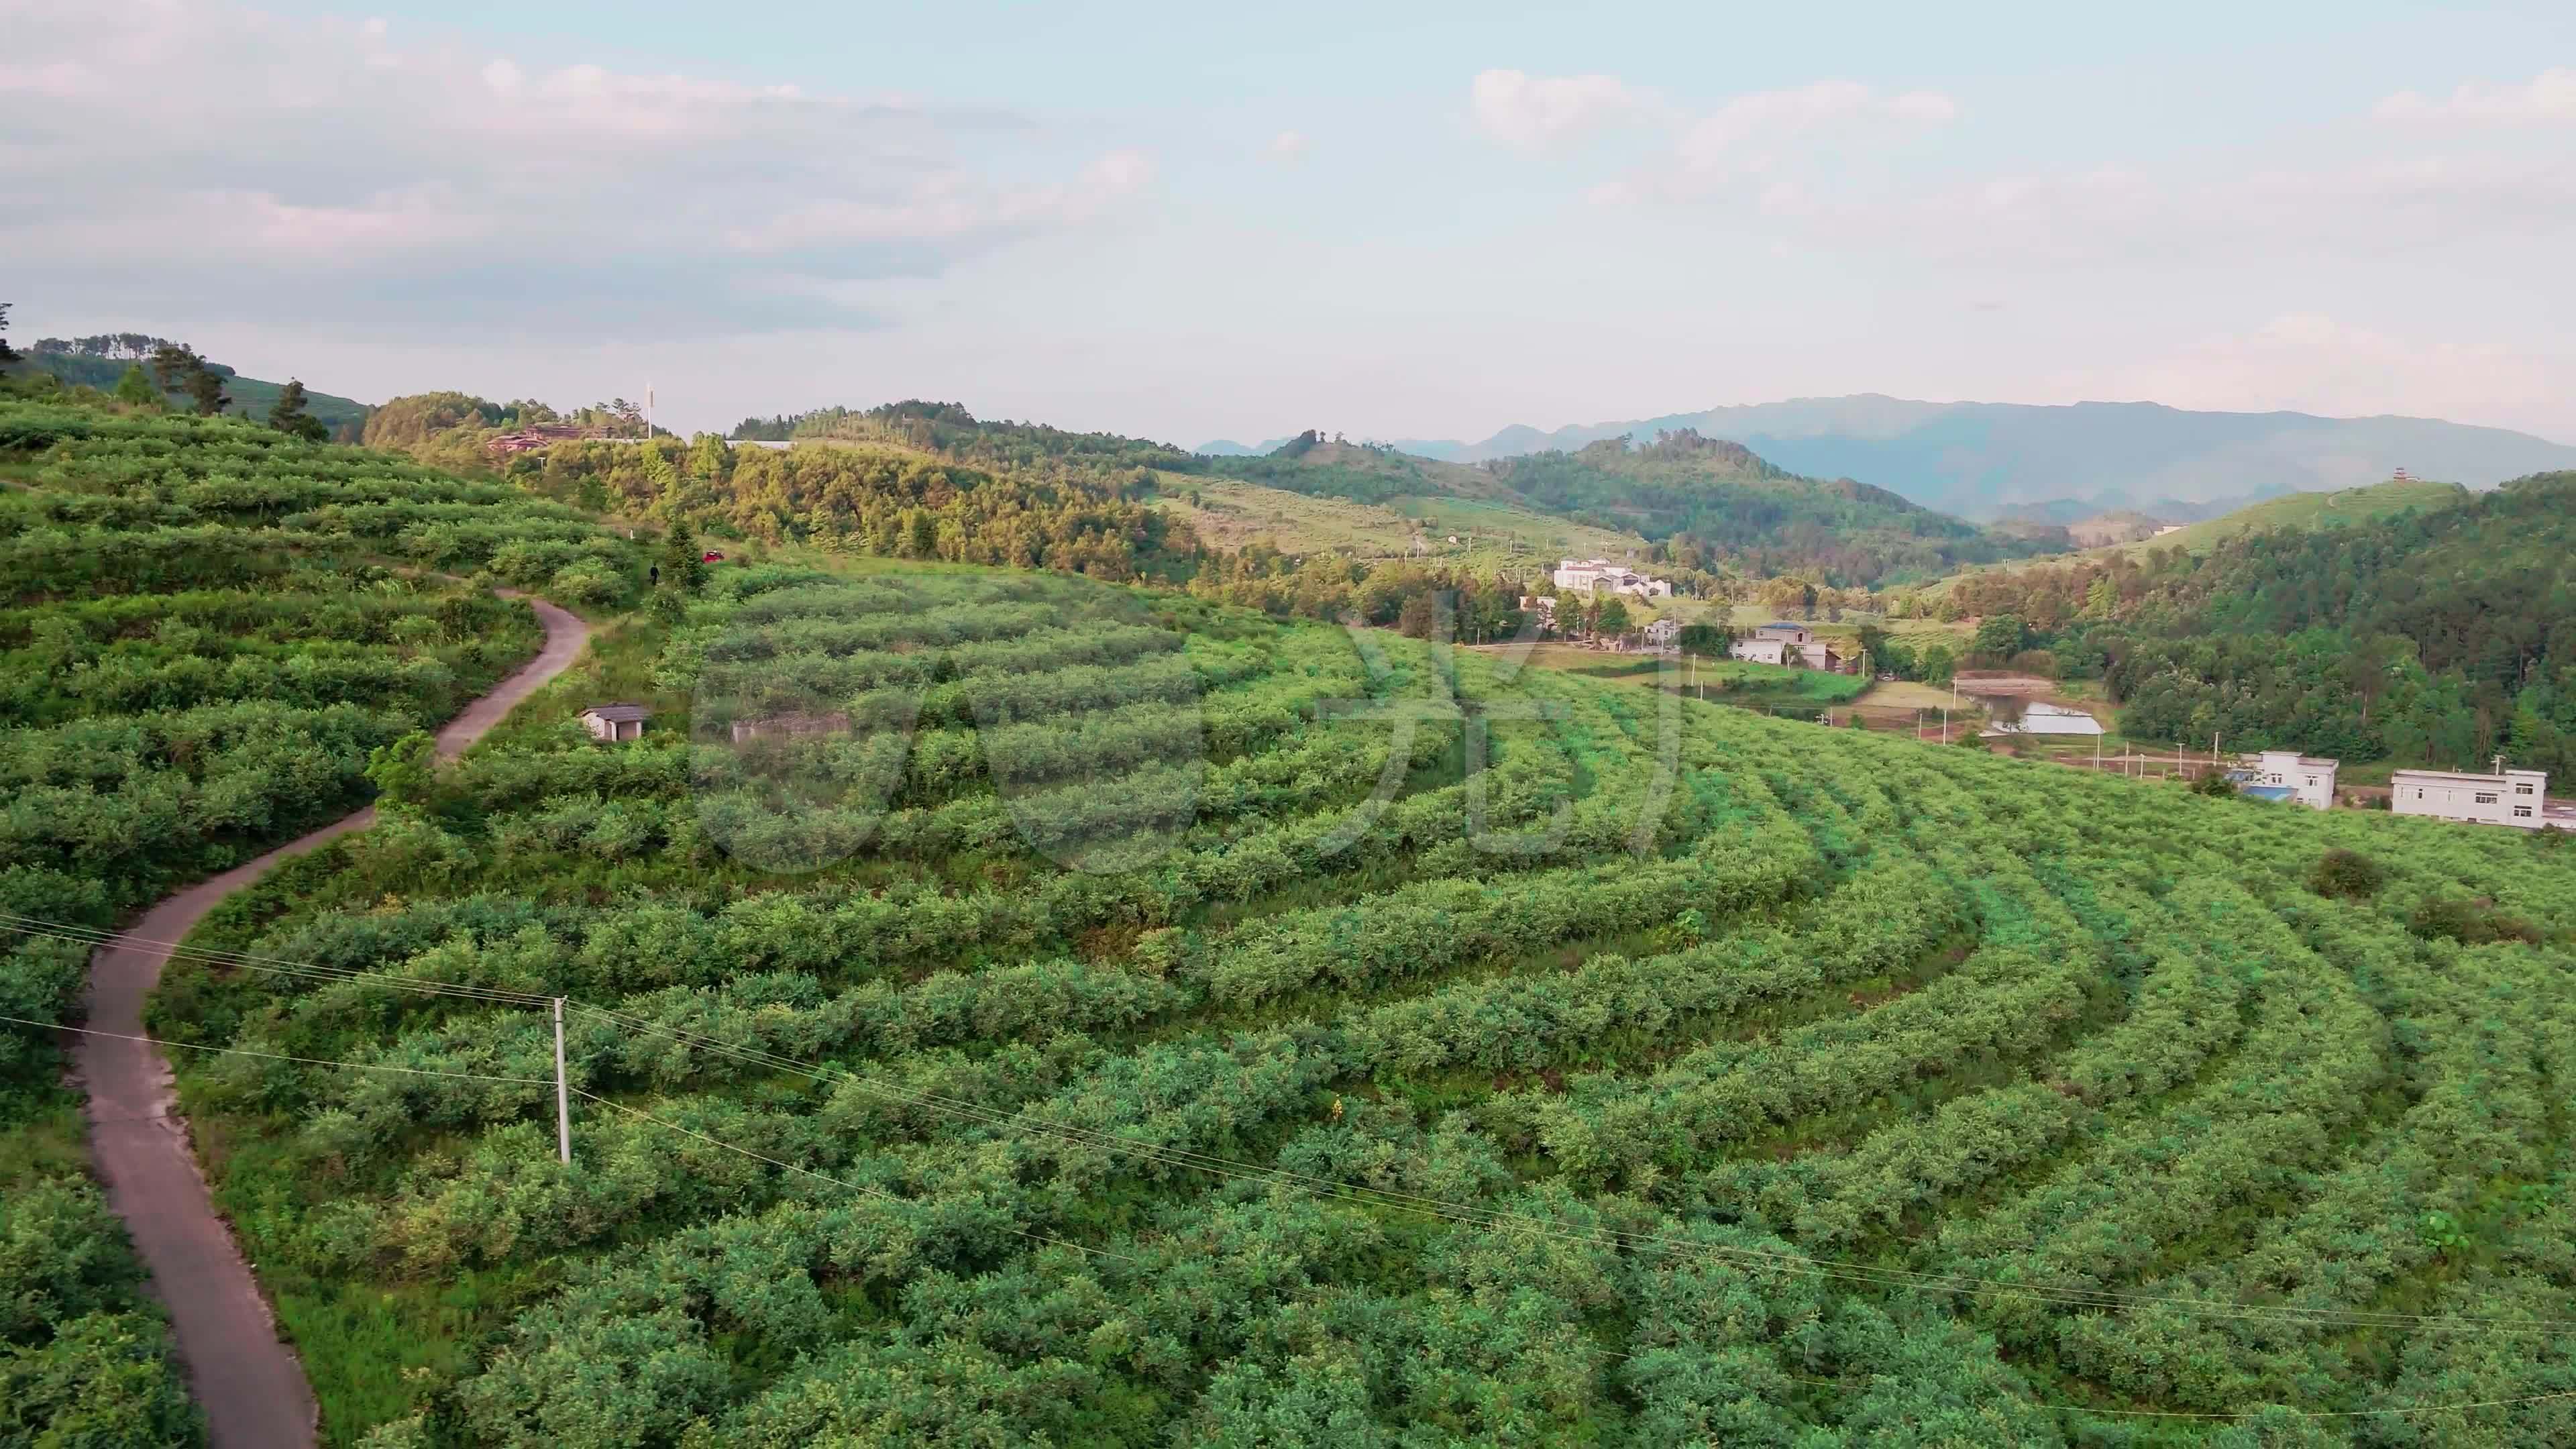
(98, 362)
(208, 630)
(2438, 635)
(1068, 1049)
(1709, 503)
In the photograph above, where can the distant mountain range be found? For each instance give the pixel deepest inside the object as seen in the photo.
(1981, 460)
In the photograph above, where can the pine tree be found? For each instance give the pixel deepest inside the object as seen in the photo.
(683, 568)
(135, 388)
(171, 363)
(8, 354)
(288, 416)
(206, 389)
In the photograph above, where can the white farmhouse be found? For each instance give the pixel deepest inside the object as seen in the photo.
(2310, 781)
(1601, 576)
(1664, 634)
(2509, 797)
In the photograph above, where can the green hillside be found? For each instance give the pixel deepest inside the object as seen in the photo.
(2338, 509)
(2297, 511)
(205, 630)
(1227, 513)
(2436, 634)
(251, 397)
(1710, 504)
(1147, 1022)
(1101, 1067)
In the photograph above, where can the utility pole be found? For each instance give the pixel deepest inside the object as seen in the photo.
(563, 1093)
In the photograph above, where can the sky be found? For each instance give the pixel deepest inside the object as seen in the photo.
(1190, 221)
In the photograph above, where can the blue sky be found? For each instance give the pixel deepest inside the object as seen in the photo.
(1194, 221)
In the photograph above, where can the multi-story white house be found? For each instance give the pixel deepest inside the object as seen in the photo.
(1664, 634)
(1601, 576)
(2509, 797)
(1791, 644)
(2309, 781)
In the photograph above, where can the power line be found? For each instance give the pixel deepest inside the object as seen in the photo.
(282, 1056)
(97, 937)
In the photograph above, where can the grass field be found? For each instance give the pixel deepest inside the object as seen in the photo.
(2337, 509)
(1230, 514)
(2305, 511)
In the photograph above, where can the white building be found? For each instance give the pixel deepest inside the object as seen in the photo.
(1601, 576)
(1759, 650)
(2512, 797)
(1664, 634)
(1794, 645)
(2310, 781)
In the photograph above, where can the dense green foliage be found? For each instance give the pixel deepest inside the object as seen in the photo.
(204, 637)
(951, 431)
(207, 626)
(84, 1353)
(2441, 636)
(1835, 1105)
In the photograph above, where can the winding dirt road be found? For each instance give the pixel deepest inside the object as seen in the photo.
(249, 1382)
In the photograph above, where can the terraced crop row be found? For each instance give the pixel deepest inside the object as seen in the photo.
(1625, 1069)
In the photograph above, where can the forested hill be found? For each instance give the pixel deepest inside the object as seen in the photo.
(1709, 504)
(950, 430)
(100, 361)
(1723, 500)
(2438, 635)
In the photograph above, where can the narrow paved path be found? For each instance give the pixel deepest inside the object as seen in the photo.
(251, 1386)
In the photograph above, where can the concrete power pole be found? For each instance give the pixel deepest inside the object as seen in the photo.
(563, 1093)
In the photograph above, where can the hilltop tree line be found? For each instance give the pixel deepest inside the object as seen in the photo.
(159, 374)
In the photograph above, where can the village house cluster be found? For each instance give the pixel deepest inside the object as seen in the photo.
(2516, 798)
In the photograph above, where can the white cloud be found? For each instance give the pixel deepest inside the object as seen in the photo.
(2548, 96)
(1526, 110)
(1717, 143)
(1287, 148)
(1744, 134)
(189, 149)
(2372, 208)
(947, 207)
(2306, 362)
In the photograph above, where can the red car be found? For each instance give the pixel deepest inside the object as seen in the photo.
(713, 556)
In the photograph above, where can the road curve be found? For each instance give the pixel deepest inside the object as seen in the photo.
(249, 1382)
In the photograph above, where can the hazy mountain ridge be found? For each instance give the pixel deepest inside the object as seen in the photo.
(2080, 459)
